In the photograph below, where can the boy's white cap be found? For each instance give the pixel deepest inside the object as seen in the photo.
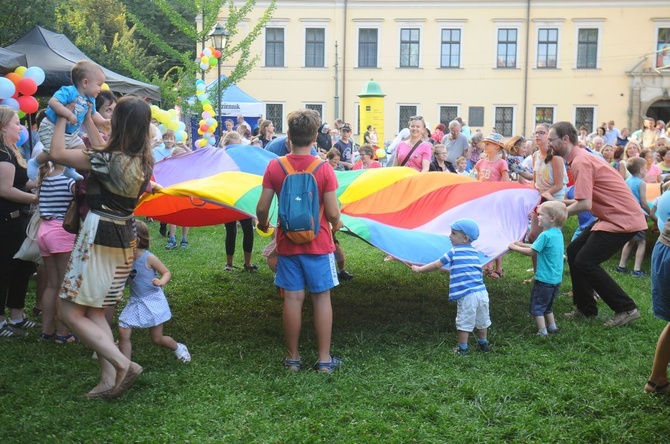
(467, 226)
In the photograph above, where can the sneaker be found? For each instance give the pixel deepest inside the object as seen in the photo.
(344, 275)
(461, 351)
(330, 366)
(8, 331)
(483, 347)
(623, 318)
(622, 270)
(182, 353)
(542, 335)
(184, 244)
(638, 274)
(171, 245)
(24, 324)
(555, 331)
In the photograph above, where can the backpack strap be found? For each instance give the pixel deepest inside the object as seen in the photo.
(288, 168)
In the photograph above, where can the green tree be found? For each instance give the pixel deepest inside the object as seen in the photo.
(19, 16)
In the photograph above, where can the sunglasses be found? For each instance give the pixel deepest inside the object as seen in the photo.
(416, 118)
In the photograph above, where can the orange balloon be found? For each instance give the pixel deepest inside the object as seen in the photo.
(14, 77)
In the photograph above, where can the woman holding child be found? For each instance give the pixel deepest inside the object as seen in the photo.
(98, 268)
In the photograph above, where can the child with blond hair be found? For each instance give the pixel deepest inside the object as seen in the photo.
(547, 254)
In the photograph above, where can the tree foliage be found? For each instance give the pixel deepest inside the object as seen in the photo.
(19, 16)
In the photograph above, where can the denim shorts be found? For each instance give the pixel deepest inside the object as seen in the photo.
(542, 298)
(660, 281)
(316, 271)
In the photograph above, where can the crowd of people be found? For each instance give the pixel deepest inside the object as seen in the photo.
(96, 154)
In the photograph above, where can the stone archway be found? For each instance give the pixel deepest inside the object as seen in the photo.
(659, 109)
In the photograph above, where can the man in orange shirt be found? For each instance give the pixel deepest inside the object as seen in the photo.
(600, 189)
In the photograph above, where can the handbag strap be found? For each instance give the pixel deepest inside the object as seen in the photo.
(411, 152)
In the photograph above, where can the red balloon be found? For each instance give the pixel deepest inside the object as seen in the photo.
(217, 54)
(28, 104)
(26, 86)
(14, 77)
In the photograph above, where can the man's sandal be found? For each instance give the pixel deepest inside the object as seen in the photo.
(656, 388)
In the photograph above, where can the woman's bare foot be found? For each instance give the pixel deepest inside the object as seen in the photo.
(125, 380)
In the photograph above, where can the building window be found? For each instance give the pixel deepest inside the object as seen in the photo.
(404, 113)
(544, 115)
(409, 48)
(475, 116)
(451, 48)
(367, 47)
(584, 117)
(587, 48)
(274, 46)
(547, 48)
(663, 46)
(447, 114)
(275, 113)
(504, 123)
(315, 39)
(507, 48)
(316, 107)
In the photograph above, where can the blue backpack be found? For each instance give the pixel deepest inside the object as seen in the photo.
(299, 209)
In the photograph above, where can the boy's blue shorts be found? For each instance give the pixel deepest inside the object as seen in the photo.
(660, 281)
(542, 298)
(316, 271)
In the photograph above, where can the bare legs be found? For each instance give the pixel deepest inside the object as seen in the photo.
(323, 322)
(156, 337)
(54, 267)
(659, 370)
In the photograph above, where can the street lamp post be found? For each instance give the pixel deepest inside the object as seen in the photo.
(218, 36)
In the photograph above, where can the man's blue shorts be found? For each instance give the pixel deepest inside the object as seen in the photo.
(316, 271)
(660, 281)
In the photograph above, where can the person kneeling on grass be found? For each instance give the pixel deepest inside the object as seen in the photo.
(148, 307)
(547, 254)
(466, 285)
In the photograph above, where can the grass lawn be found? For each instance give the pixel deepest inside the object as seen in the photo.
(400, 383)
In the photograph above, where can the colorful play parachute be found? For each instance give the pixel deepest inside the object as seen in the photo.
(398, 210)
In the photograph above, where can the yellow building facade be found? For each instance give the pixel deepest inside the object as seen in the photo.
(502, 65)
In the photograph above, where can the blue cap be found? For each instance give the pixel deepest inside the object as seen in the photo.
(467, 226)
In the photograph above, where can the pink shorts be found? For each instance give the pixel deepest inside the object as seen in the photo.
(53, 239)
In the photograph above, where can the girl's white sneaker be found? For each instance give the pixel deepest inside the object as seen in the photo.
(182, 353)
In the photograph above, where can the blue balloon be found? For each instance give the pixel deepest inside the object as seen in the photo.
(23, 136)
(12, 103)
(7, 88)
(36, 73)
(663, 209)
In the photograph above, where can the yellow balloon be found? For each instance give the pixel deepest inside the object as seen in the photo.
(172, 113)
(173, 125)
(208, 107)
(20, 70)
(262, 233)
(104, 87)
(381, 153)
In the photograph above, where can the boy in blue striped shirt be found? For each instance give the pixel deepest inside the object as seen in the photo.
(466, 285)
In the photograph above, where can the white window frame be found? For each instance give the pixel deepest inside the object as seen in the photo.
(591, 23)
(410, 24)
(548, 24)
(369, 24)
(554, 110)
(450, 24)
(503, 105)
(658, 24)
(283, 113)
(277, 23)
(508, 24)
(595, 115)
(315, 23)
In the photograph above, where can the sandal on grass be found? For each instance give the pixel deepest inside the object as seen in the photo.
(328, 367)
(46, 336)
(292, 364)
(657, 388)
(229, 268)
(69, 339)
(251, 268)
(496, 275)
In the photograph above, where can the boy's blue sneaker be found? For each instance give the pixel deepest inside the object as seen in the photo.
(461, 351)
(33, 169)
(483, 347)
(184, 243)
(622, 270)
(171, 245)
(638, 274)
(72, 173)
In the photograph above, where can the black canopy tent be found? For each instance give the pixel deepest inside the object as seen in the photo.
(10, 60)
(56, 55)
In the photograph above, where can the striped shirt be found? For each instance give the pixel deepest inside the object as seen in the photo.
(56, 193)
(466, 271)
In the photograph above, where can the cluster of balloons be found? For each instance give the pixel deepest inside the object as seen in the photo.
(169, 120)
(17, 89)
(209, 57)
(208, 124)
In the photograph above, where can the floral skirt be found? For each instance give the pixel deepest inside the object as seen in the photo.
(101, 261)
